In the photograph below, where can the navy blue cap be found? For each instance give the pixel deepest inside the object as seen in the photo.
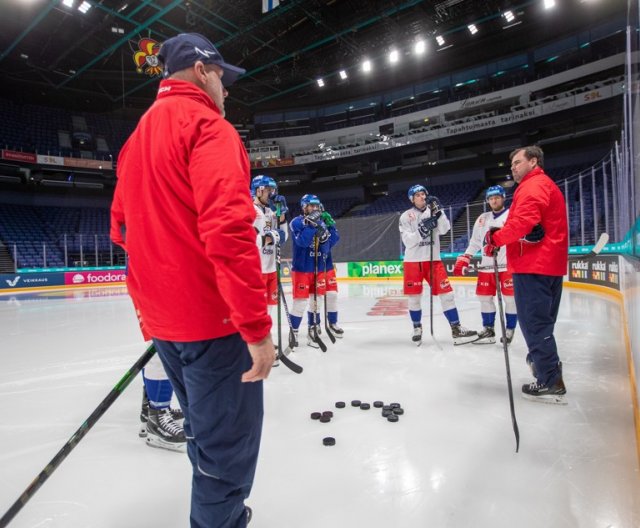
(183, 50)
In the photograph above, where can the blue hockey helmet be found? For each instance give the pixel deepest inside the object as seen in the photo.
(262, 181)
(416, 188)
(495, 190)
(309, 199)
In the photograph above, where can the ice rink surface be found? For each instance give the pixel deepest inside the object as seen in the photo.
(449, 462)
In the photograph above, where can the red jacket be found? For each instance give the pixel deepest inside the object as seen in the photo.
(182, 195)
(537, 200)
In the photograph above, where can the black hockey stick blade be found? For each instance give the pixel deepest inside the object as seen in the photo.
(55, 462)
(317, 339)
(282, 356)
(328, 330)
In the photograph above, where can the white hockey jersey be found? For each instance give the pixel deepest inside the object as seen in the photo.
(266, 221)
(418, 249)
(483, 223)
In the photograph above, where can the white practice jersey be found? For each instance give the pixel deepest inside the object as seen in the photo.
(483, 223)
(266, 221)
(418, 249)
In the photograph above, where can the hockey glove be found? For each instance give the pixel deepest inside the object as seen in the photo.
(490, 248)
(427, 225)
(462, 263)
(276, 200)
(328, 219)
(323, 234)
(434, 203)
(313, 219)
(535, 236)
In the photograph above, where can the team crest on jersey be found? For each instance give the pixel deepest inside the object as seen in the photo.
(412, 215)
(444, 284)
(508, 283)
(481, 221)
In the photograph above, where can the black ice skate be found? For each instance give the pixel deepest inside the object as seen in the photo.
(417, 335)
(486, 337)
(311, 336)
(336, 330)
(293, 339)
(164, 432)
(461, 335)
(176, 414)
(546, 394)
(509, 335)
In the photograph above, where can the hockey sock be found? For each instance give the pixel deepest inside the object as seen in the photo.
(159, 392)
(488, 319)
(333, 317)
(452, 316)
(416, 317)
(512, 320)
(295, 321)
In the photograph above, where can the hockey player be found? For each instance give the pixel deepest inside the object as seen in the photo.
(331, 283)
(486, 285)
(309, 231)
(270, 232)
(420, 227)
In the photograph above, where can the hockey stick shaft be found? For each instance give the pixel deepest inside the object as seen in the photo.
(431, 282)
(278, 285)
(76, 437)
(506, 351)
(324, 303)
(316, 337)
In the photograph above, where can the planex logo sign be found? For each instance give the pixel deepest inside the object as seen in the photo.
(94, 277)
(384, 268)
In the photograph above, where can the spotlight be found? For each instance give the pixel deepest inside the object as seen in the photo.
(343, 74)
(84, 7)
(68, 3)
(394, 56)
(508, 15)
(320, 82)
(419, 47)
(548, 4)
(366, 66)
(472, 29)
(440, 40)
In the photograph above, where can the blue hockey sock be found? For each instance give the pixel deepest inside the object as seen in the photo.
(512, 320)
(159, 392)
(488, 319)
(295, 321)
(416, 317)
(333, 317)
(310, 318)
(452, 316)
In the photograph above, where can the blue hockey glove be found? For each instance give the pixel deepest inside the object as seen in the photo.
(276, 200)
(535, 236)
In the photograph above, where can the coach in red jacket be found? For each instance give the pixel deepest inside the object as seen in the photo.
(194, 271)
(537, 241)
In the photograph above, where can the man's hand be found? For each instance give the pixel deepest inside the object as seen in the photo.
(426, 225)
(535, 236)
(263, 354)
(490, 248)
(276, 200)
(462, 263)
(313, 219)
(328, 219)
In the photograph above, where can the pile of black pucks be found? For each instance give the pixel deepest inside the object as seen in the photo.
(391, 412)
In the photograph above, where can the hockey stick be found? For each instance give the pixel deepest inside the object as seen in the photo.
(431, 282)
(324, 302)
(506, 351)
(282, 354)
(316, 337)
(77, 436)
(596, 249)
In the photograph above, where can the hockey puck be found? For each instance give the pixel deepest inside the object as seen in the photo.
(355, 403)
(378, 404)
(365, 406)
(398, 410)
(325, 419)
(315, 415)
(327, 413)
(386, 413)
(329, 441)
(394, 405)
(393, 417)
(340, 405)
(386, 407)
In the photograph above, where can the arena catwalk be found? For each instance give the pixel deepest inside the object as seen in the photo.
(449, 461)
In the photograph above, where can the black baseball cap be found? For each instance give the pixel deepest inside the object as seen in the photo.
(183, 50)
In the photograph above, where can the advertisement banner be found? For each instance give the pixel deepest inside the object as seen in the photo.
(50, 160)
(14, 155)
(392, 269)
(12, 281)
(87, 163)
(603, 270)
(91, 278)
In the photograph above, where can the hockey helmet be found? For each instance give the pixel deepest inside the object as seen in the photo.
(309, 199)
(416, 188)
(495, 190)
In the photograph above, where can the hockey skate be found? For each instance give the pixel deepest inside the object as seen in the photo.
(293, 339)
(486, 337)
(461, 335)
(541, 393)
(176, 414)
(336, 330)
(417, 335)
(311, 336)
(509, 335)
(164, 432)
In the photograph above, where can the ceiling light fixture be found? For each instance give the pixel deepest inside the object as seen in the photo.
(394, 56)
(84, 7)
(320, 82)
(472, 29)
(508, 15)
(419, 47)
(343, 74)
(366, 66)
(440, 40)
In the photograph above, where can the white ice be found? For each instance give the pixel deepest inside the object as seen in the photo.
(449, 462)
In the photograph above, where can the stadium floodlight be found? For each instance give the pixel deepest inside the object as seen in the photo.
(320, 82)
(472, 29)
(366, 66)
(343, 74)
(419, 47)
(508, 15)
(440, 40)
(548, 4)
(67, 3)
(394, 56)
(84, 7)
